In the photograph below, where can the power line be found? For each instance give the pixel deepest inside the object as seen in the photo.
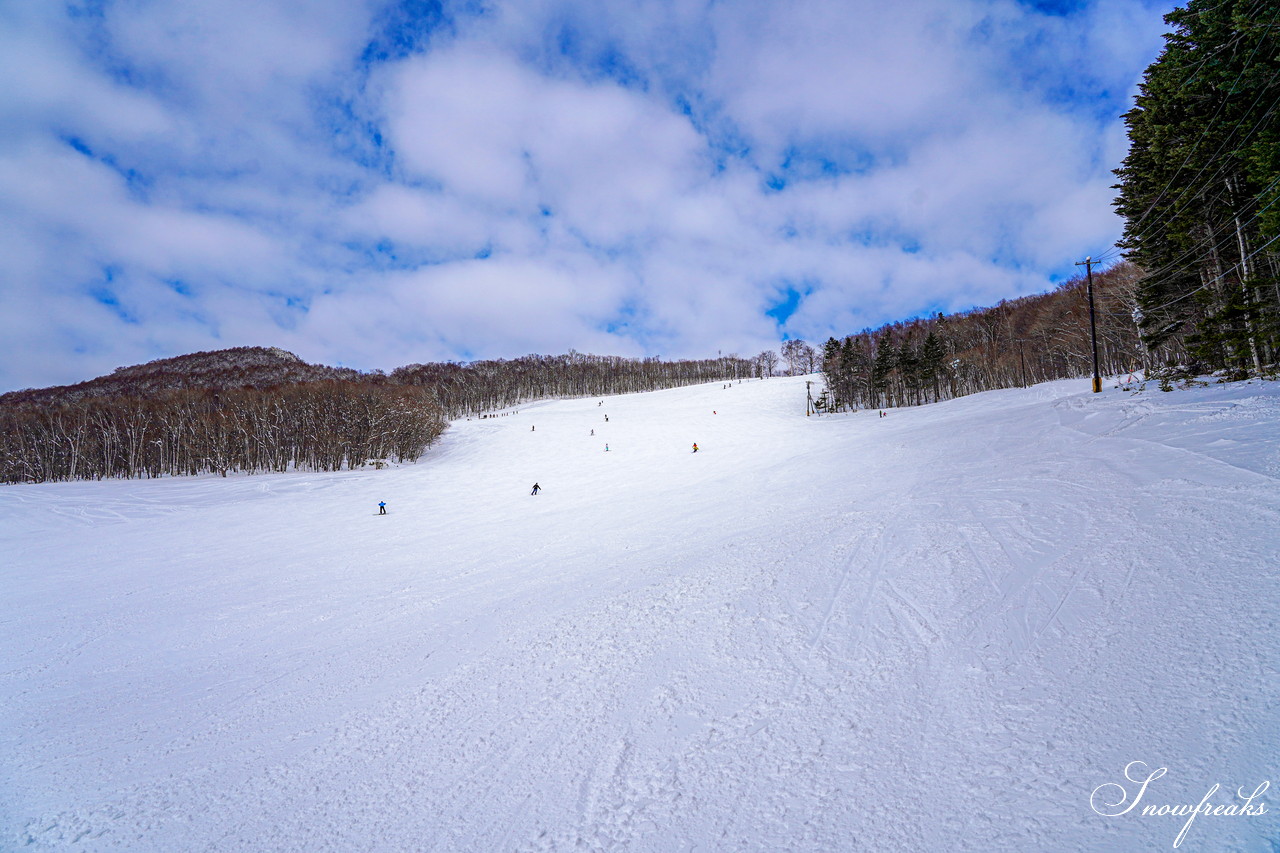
(1138, 234)
(1214, 280)
(1222, 161)
(1208, 127)
(1163, 274)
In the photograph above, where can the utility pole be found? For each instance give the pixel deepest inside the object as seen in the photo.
(1087, 263)
(808, 405)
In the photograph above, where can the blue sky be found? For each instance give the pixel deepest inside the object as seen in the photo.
(375, 184)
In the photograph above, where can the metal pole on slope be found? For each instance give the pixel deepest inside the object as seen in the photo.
(1087, 263)
(808, 401)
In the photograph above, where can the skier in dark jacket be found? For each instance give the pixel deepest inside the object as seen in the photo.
(536, 489)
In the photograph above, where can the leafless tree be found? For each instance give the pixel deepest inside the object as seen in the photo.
(800, 357)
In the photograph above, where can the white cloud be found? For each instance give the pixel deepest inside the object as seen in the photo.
(607, 160)
(547, 175)
(844, 75)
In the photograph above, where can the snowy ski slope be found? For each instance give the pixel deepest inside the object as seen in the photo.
(939, 630)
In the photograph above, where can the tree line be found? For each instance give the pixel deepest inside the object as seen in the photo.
(468, 390)
(317, 426)
(1017, 342)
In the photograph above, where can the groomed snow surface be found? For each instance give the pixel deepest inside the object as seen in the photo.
(944, 629)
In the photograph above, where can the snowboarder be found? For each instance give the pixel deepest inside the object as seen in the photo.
(382, 507)
(536, 489)
(695, 447)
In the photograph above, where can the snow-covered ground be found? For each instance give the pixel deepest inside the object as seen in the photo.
(945, 629)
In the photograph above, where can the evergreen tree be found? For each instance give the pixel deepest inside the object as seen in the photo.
(881, 369)
(909, 372)
(1200, 187)
(855, 360)
(932, 354)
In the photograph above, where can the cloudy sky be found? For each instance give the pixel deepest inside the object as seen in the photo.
(375, 183)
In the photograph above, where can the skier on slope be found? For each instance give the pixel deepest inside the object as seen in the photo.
(536, 489)
(382, 507)
(695, 447)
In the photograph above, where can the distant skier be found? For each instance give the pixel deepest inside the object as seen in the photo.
(533, 429)
(593, 432)
(606, 418)
(606, 448)
(536, 489)
(695, 447)
(382, 507)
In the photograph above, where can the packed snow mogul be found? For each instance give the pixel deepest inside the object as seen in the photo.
(536, 489)
(382, 507)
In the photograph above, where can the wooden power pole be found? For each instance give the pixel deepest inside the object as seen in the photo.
(1087, 263)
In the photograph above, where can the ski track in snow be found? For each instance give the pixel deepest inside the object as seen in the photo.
(940, 630)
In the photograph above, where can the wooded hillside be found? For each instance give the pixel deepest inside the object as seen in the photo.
(261, 409)
(1018, 342)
